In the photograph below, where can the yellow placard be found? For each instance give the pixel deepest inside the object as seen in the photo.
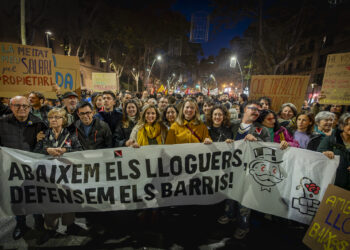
(280, 88)
(67, 72)
(336, 80)
(24, 69)
(104, 81)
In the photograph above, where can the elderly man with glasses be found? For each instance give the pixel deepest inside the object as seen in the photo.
(19, 130)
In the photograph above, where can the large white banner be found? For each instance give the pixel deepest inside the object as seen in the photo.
(288, 183)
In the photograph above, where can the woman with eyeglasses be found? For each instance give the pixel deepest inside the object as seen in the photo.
(56, 142)
(279, 134)
(131, 115)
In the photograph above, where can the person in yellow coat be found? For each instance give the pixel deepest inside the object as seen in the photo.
(149, 130)
(188, 127)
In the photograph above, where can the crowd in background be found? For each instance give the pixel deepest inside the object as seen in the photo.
(105, 120)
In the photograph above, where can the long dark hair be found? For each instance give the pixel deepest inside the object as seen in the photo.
(125, 120)
(311, 119)
(166, 110)
(266, 112)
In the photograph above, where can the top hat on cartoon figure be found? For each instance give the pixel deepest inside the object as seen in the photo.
(265, 169)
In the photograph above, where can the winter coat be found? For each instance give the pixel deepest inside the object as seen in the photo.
(221, 134)
(257, 130)
(100, 135)
(121, 134)
(282, 134)
(113, 118)
(65, 140)
(18, 135)
(315, 140)
(335, 144)
(178, 134)
(43, 112)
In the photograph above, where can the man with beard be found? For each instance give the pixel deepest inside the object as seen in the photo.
(69, 102)
(246, 129)
(36, 101)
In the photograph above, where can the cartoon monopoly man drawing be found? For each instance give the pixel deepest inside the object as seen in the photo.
(266, 169)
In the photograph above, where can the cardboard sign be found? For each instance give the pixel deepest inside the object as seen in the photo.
(280, 88)
(104, 81)
(330, 228)
(336, 80)
(67, 72)
(24, 69)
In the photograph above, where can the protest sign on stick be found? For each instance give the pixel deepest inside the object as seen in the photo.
(67, 72)
(24, 69)
(104, 81)
(280, 88)
(336, 80)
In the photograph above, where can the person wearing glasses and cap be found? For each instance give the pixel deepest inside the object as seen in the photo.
(19, 130)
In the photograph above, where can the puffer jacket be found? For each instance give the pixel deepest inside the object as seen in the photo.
(100, 136)
(20, 135)
(65, 140)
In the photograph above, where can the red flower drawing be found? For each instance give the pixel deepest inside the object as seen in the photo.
(313, 188)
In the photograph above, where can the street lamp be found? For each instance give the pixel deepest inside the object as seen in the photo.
(159, 58)
(213, 77)
(233, 62)
(48, 33)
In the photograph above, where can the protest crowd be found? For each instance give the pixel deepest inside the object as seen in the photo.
(98, 120)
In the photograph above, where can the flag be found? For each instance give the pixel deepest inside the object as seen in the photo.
(187, 91)
(161, 89)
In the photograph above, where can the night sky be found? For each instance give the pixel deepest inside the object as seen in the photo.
(218, 39)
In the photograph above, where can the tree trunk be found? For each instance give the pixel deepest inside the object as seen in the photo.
(23, 22)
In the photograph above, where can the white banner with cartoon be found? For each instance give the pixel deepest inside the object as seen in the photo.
(288, 183)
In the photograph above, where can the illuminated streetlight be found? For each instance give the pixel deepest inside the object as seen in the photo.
(233, 63)
(48, 33)
(159, 58)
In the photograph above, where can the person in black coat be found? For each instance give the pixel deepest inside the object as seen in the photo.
(19, 130)
(131, 115)
(91, 132)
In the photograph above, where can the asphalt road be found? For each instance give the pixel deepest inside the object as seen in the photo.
(193, 227)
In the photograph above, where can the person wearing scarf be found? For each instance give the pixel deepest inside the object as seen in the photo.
(149, 130)
(188, 127)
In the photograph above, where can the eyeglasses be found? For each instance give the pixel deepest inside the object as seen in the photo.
(85, 113)
(54, 117)
(253, 108)
(18, 106)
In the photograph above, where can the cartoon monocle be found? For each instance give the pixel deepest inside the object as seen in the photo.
(265, 169)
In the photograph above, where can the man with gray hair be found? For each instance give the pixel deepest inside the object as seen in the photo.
(19, 130)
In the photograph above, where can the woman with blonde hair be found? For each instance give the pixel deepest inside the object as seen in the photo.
(149, 130)
(57, 141)
(188, 127)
